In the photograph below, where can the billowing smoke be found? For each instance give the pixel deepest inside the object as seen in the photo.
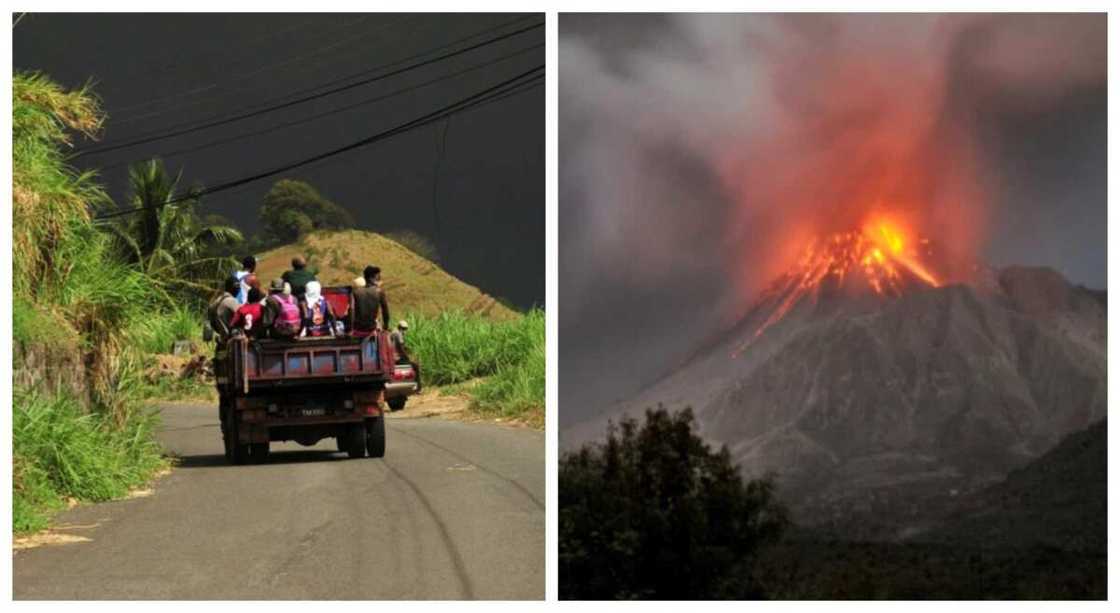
(698, 153)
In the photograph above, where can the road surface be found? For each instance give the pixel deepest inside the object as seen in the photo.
(454, 510)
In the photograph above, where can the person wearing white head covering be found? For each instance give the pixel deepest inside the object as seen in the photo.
(318, 319)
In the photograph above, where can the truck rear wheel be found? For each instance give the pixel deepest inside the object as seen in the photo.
(258, 452)
(375, 436)
(236, 452)
(356, 441)
(240, 452)
(396, 404)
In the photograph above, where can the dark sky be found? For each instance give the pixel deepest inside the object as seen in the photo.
(154, 72)
(689, 142)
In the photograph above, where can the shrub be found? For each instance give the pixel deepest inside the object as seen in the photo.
(655, 513)
(416, 243)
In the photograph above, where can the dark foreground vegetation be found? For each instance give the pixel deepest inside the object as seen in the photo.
(804, 568)
(653, 513)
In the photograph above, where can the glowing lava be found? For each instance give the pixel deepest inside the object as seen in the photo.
(881, 255)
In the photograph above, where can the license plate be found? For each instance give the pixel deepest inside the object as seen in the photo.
(312, 412)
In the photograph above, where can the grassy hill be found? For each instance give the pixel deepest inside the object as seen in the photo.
(414, 284)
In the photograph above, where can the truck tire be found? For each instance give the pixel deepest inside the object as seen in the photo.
(258, 452)
(240, 452)
(236, 452)
(227, 443)
(396, 404)
(356, 441)
(375, 436)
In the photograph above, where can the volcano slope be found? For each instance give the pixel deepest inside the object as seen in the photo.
(876, 411)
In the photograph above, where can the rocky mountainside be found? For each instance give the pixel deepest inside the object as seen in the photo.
(1058, 500)
(885, 407)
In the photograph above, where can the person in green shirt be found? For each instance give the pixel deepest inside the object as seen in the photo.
(299, 276)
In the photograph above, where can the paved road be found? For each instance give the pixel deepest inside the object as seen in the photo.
(454, 510)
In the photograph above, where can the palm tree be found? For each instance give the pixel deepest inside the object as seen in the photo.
(166, 239)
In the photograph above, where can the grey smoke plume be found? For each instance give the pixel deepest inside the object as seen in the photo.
(697, 152)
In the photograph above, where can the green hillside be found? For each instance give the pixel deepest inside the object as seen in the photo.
(414, 284)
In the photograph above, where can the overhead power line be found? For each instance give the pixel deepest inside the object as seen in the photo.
(496, 92)
(118, 121)
(192, 62)
(319, 50)
(275, 107)
(342, 109)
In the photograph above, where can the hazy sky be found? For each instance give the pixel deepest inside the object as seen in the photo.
(157, 71)
(689, 142)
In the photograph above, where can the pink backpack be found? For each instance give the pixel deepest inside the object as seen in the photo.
(287, 321)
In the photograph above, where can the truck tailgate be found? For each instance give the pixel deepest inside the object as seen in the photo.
(309, 361)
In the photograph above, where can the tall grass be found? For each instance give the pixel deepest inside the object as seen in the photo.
(72, 292)
(158, 332)
(509, 356)
(51, 201)
(60, 451)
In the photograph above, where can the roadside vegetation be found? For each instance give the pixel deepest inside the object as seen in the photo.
(86, 315)
(499, 364)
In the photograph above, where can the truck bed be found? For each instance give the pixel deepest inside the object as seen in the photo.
(259, 365)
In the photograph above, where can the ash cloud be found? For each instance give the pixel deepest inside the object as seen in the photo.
(696, 152)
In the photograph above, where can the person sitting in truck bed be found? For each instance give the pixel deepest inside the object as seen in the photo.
(281, 314)
(222, 308)
(368, 301)
(299, 276)
(318, 318)
(249, 266)
(248, 316)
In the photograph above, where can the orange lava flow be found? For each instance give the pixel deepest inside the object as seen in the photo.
(880, 254)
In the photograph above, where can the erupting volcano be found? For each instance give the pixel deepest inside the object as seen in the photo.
(878, 373)
(880, 256)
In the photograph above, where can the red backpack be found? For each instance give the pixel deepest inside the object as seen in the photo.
(287, 320)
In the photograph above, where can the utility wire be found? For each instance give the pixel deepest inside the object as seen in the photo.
(193, 61)
(275, 107)
(319, 50)
(495, 92)
(342, 109)
(314, 87)
(352, 75)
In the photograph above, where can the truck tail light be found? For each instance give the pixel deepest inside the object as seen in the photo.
(402, 374)
(372, 409)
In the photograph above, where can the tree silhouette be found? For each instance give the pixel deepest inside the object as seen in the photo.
(655, 513)
(294, 208)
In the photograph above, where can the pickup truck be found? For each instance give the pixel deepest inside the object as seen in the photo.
(401, 385)
(304, 390)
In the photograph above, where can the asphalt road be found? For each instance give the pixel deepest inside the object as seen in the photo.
(454, 510)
